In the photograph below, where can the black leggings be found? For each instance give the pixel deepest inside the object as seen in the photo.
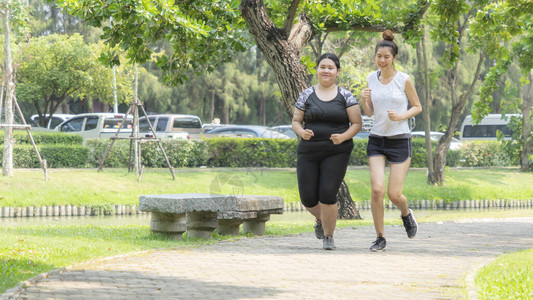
(321, 167)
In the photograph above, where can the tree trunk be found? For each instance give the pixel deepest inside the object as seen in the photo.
(225, 113)
(527, 103)
(282, 53)
(2, 94)
(347, 210)
(212, 106)
(458, 103)
(7, 159)
(423, 77)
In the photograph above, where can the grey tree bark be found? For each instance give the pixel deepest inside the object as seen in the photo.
(527, 103)
(7, 159)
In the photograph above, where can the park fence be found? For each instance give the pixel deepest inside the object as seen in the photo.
(122, 210)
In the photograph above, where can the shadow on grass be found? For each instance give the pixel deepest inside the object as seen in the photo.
(13, 271)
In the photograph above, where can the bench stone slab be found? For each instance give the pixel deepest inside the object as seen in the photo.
(200, 214)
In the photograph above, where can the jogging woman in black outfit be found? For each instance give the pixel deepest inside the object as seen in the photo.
(332, 118)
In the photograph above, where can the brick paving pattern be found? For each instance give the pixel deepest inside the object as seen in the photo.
(432, 266)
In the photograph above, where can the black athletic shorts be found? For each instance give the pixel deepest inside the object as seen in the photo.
(395, 150)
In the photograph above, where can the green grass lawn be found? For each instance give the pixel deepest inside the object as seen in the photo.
(88, 187)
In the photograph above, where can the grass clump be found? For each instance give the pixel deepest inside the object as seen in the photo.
(508, 277)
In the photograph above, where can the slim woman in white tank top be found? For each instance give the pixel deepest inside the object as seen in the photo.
(387, 96)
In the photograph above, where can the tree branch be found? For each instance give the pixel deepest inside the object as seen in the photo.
(357, 27)
(423, 7)
(468, 94)
(301, 33)
(345, 44)
(291, 14)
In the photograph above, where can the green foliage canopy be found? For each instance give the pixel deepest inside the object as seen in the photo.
(54, 67)
(204, 34)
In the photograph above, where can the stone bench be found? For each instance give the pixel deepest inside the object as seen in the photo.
(201, 214)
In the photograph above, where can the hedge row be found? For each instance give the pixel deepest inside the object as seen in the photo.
(57, 156)
(181, 153)
(41, 138)
(236, 152)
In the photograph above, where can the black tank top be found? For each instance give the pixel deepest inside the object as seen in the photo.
(326, 117)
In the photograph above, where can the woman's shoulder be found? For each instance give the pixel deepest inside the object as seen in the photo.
(348, 96)
(304, 95)
(372, 75)
(307, 92)
(403, 76)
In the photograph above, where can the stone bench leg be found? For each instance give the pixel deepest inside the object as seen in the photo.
(229, 226)
(257, 225)
(201, 224)
(173, 225)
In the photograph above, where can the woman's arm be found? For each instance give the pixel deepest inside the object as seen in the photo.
(366, 101)
(297, 120)
(354, 114)
(416, 107)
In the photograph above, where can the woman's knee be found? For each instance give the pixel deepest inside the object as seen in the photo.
(378, 192)
(328, 198)
(395, 196)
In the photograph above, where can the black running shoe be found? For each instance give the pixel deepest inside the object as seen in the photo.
(328, 243)
(319, 230)
(409, 222)
(379, 244)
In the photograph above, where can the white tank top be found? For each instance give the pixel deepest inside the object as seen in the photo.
(385, 97)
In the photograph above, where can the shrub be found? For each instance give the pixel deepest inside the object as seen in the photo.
(241, 152)
(57, 156)
(358, 155)
(486, 154)
(118, 157)
(181, 153)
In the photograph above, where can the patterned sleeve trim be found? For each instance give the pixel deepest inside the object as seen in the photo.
(300, 103)
(348, 97)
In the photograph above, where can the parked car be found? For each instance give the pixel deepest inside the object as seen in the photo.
(172, 126)
(246, 131)
(97, 125)
(211, 126)
(286, 130)
(435, 136)
(54, 121)
(368, 122)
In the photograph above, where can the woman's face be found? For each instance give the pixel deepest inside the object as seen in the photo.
(327, 72)
(384, 58)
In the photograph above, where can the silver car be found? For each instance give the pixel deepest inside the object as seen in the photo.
(97, 125)
(246, 131)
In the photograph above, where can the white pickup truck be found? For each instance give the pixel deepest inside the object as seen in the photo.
(172, 126)
(97, 125)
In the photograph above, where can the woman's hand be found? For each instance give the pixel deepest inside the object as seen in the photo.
(337, 138)
(394, 116)
(307, 134)
(365, 94)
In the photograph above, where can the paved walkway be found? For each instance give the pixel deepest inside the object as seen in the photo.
(437, 264)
